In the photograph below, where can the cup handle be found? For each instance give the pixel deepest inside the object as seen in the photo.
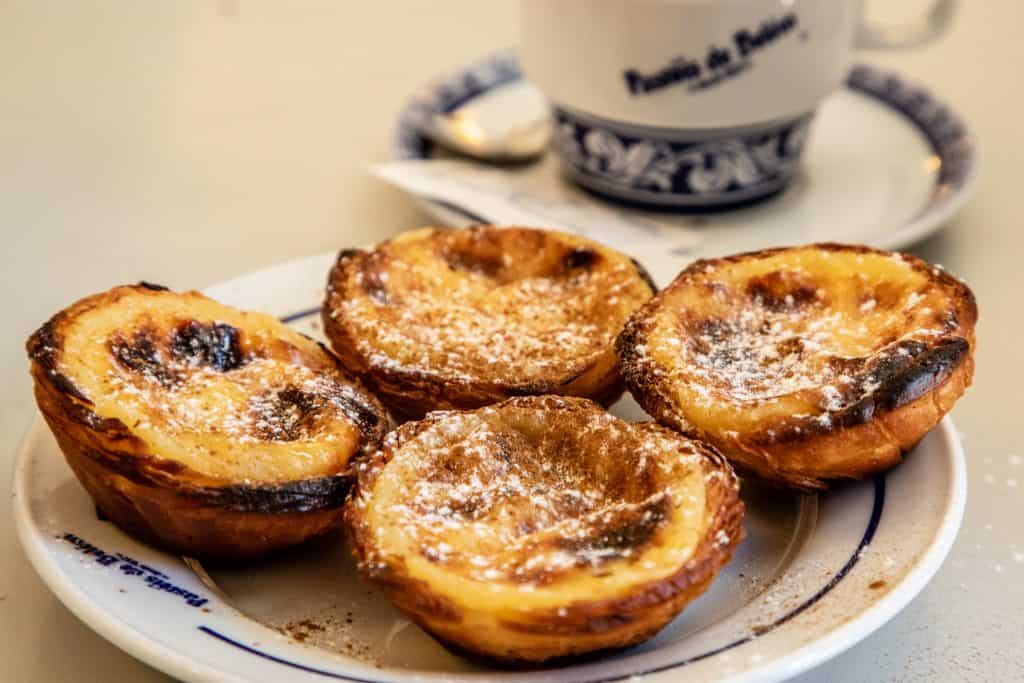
(912, 34)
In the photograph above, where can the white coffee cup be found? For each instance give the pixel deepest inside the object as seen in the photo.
(694, 103)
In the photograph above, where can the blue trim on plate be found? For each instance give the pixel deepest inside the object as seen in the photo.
(287, 662)
(292, 317)
(877, 506)
(869, 533)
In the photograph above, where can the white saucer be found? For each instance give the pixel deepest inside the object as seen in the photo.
(886, 164)
(813, 576)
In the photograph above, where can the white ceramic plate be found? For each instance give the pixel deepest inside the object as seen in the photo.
(814, 575)
(886, 164)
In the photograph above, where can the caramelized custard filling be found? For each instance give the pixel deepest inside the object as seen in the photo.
(504, 305)
(753, 331)
(532, 500)
(228, 394)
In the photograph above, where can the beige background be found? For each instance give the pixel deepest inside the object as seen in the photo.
(189, 142)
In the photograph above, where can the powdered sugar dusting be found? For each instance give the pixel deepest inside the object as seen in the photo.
(252, 404)
(266, 400)
(450, 306)
(513, 495)
(760, 337)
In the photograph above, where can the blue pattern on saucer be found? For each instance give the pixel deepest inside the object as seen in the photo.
(671, 171)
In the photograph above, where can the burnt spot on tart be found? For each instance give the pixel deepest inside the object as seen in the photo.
(476, 250)
(372, 278)
(488, 262)
(906, 372)
(900, 375)
(211, 345)
(622, 534)
(581, 258)
(167, 359)
(361, 412)
(43, 348)
(485, 253)
(346, 254)
(303, 496)
(43, 345)
(141, 354)
(285, 415)
(782, 291)
(294, 413)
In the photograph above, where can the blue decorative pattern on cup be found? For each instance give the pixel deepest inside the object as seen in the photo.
(671, 168)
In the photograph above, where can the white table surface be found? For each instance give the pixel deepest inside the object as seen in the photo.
(187, 142)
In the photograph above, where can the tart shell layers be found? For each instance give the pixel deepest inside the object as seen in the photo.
(542, 527)
(458, 319)
(805, 364)
(208, 431)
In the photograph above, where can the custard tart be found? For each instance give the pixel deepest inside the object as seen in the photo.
(804, 364)
(205, 430)
(458, 319)
(541, 527)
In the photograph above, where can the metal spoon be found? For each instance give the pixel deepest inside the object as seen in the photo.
(509, 123)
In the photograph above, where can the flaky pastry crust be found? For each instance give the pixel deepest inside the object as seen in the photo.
(542, 527)
(805, 364)
(458, 319)
(208, 431)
